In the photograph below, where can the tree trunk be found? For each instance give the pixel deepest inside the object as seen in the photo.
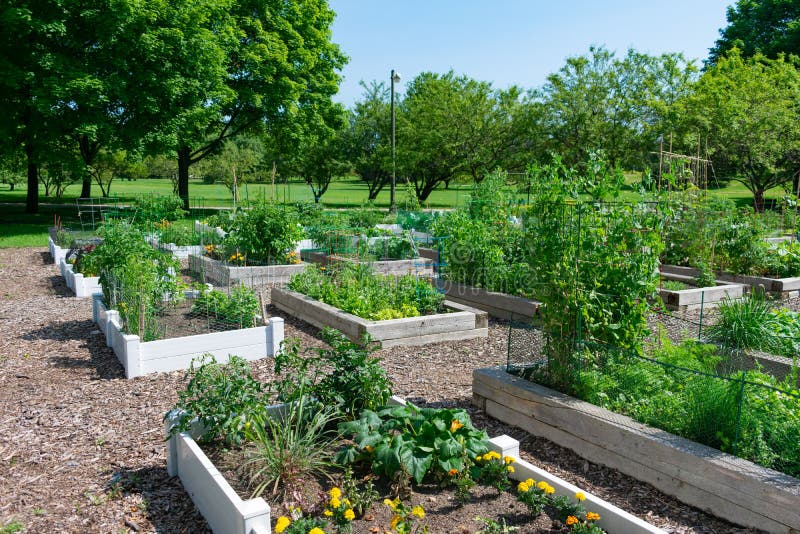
(183, 175)
(86, 187)
(32, 198)
(12, 185)
(758, 200)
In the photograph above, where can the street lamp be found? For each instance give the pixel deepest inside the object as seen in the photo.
(392, 207)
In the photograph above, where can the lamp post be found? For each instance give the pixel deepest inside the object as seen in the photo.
(392, 207)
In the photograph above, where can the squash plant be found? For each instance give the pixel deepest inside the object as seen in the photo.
(414, 441)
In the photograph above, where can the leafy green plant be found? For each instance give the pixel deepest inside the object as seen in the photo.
(358, 290)
(673, 285)
(156, 208)
(225, 399)
(263, 234)
(411, 440)
(535, 496)
(345, 376)
(493, 470)
(339, 511)
(298, 524)
(240, 307)
(362, 495)
(289, 447)
(490, 526)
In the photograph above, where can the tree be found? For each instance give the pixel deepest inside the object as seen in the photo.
(245, 64)
(749, 111)
(769, 27)
(322, 162)
(238, 163)
(599, 102)
(449, 126)
(12, 168)
(109, 165)
(368, 143)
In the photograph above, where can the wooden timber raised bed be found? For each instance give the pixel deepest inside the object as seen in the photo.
(497, 304)
(416, 266)
(463, 322)
(780, 287)
(724, 485)
(221, 274)
(695, 297)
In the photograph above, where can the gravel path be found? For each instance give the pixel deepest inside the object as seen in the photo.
(82, 450)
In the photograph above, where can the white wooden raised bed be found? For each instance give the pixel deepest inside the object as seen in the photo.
(781, 287)
(181, 252)
(220, 274)
(463, 323)
(144, 357)
(695, 297)
(495, 303)
(227, 513)
(416, 266)
(724, 485)
(82, 286)
(56, 252)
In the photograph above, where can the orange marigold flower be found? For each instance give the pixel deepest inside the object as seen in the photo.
(453, 472)
(591, 516)
(572, 520)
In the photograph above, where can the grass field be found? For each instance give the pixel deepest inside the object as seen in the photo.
(18, 229)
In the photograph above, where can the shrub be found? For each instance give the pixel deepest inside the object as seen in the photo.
(264, 234)
(240, 307)
(156, 208)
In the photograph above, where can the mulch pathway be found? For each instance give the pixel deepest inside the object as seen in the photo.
(82, 448)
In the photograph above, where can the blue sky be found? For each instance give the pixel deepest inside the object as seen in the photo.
(509, 42)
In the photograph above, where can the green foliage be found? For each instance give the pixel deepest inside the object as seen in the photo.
(264, 234)
(361, 496)
(157, 208)
(746, 323)
(394, 248)
(290, 447)
(493, 470)
(680, 391)
(240, 307)
(345, 376)
(673, 285)
(490, 526)
(137, 280)
(226, 399)
(420, 221)
(484, 247)
(412, 441)
(595, 266)
(769, 27)
(12, 527)
(355, 289)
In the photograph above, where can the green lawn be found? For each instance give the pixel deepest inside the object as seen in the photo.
(18, 229)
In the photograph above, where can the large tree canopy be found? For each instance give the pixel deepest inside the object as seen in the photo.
(769, 27)
(749, 111)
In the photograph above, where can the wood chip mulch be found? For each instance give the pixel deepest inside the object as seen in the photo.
(82, 448)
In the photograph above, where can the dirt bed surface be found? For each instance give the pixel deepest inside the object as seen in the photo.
(82, 448)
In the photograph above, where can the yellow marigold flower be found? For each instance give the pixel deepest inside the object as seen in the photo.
(508, 459)
(541, 485)
(346, 502)
(328, 513)
(571, 520)
(394, 522)
(335, 502)
(478, 458)
(349, 514)
(316, 530)
(368, 449)
(418, 511)
(281, 524)
(549, 490)
(391, 504)
(580, 496)
(523, 487)
(455, 425)
(494, 455)
(335, 493)
(591, 516)
(530, 482)
(510, 468)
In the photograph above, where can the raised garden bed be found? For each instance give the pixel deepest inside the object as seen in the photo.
(695, 297)
(56, 252)
(418, 266)
(781, 287)
(719, 483)
(227, 513)
(496, 304)
(82, 286)
(463, 322)
(220, 274)
(181, 252)
(144, 357)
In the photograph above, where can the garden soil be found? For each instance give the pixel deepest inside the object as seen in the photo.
(82, 448)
